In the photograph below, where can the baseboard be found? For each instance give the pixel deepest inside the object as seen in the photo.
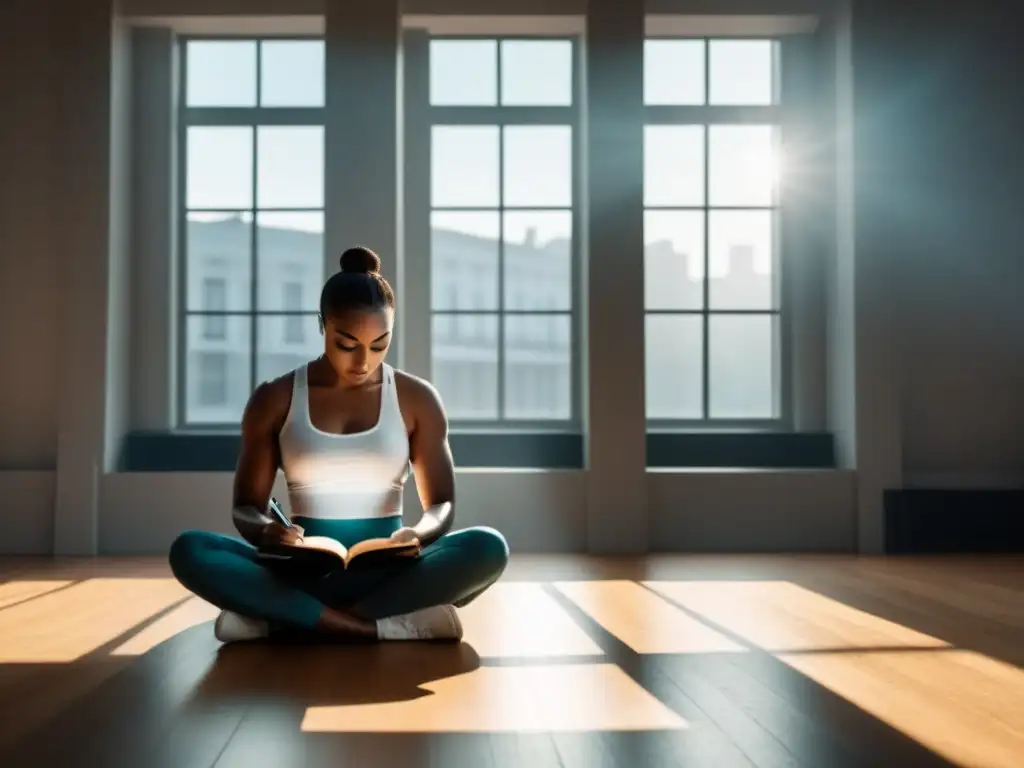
(945, 520)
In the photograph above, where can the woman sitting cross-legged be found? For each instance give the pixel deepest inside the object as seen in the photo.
(344, 429)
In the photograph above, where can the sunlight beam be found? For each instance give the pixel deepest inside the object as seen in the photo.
(781, 616)
(642, 620)
(19, 591)
(961, 705)
(65, 625)
(520, 619)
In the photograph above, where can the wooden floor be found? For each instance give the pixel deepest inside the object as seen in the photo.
(725, 661)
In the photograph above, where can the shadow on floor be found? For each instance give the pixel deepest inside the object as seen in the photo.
(330, 675)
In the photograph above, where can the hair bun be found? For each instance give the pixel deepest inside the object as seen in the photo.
(360, 260)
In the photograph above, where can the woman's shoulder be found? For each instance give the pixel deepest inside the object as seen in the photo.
(417, 393)
(271, 399)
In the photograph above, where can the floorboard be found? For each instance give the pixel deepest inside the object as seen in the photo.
(769, 662)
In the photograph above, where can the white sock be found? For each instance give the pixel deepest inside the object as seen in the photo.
(231, 626)
(439, 622)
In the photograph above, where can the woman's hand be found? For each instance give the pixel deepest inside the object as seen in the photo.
(406, 535)
(275, 534)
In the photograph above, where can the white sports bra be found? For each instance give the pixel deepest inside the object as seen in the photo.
(345, 477)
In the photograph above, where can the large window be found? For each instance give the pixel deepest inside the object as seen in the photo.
(712, 278)
(503, 117)
(252, 166)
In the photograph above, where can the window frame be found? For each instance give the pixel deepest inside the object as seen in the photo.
(501, 116)
(252, 117)
(706, 116)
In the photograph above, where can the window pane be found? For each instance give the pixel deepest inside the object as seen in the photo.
(464, 166)
(463, 73)
(742, 72)
(538, 367)
(538, 260)
(290, 167)
(217, 384)
(537, 166)
(218, 171)
(536, 73)
(742, 260)
(673, 165)
(742, 359)
(674, 72)
(464, 364)
(215, 292)
(674, 367)
(674, 259)
(289, 251)
(218, 247)
(283, 343)
(215, 300)
(464, 260)
(221, 73)
(744, 165)
(292, 73)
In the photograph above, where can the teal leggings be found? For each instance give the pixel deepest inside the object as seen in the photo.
(225, 571)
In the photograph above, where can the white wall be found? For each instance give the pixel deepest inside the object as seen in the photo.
(752, 511)
(31, 343)
(950, 190)
(538, 511)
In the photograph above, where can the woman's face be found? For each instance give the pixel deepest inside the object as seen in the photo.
(356, 342)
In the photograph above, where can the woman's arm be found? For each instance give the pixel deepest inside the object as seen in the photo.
(431, 460)
(257, 466)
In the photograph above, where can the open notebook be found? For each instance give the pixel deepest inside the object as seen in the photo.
(329, 553)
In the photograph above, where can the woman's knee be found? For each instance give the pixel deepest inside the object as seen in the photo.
(185, 547)
(488, 548)
(190, 552)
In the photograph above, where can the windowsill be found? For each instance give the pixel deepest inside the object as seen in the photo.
(216, 450)
(512, 429)
(199, 449)
(717, 429)
(715, 448)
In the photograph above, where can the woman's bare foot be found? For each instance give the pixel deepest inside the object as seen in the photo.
(334, 622)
